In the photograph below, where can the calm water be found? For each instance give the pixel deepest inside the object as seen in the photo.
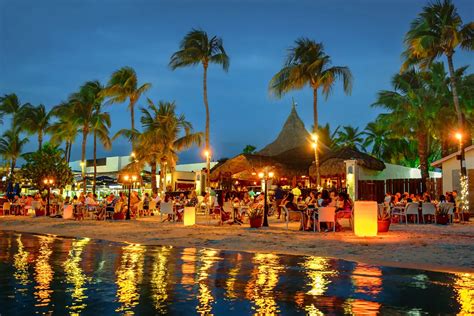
(44, 274)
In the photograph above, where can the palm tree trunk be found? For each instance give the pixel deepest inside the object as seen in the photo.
(132, 113)
(40, 139)
(315, 110)
(455, 91)
(95, 162)
(83, 160)
(12, 171)
(161, 177)
(422, 138)
(66, 151)
(153, 176)
(206, 104)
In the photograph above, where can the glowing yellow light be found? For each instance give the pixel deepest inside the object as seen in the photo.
(45, 181)
(365, 218)
(189, 216)
(126, 177)
(270, 174)
(318, 271)
(134, 178)
(20, 262)
(458, 136)
(159, 279)
(207, 258)
(260, 175)
(314, 137)
(465, 293)
(76, 277)
(132, 154)
(43, 272)
(207, 153)
(82, 163)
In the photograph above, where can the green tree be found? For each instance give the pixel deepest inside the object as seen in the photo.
(351, 137)
(10, 105)
(308, 64)
(47, 163)
(249, 149)
(326, 137)
(198, 48)
(65, 129)
(36, 120)
(439, 30)
(11, 147)
(123, 85)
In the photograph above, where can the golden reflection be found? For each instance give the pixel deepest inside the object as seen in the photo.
(464, 286)
(367, 279)
(318, 271)
(188, 268)
(43, 272)
(20, 262)
(361, 307)
(206, 259)
(230, 282)
(261, 287)
(76, 277)
(159, 279)
(129, 277)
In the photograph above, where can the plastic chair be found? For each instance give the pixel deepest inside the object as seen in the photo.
(167, 209)
(412, 209)
(428, 209)
(327, 215)
(287, 215)
(6, 207)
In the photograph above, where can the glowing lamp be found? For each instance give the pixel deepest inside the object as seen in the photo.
(189, 216)
(365, 218)
(458, 136)
(270, 174)
(260, 175)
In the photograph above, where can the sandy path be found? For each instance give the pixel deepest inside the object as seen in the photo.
(430, 247)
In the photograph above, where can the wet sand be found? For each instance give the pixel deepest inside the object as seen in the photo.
(429, 247)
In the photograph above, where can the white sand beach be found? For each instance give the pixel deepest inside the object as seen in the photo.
(430, 247)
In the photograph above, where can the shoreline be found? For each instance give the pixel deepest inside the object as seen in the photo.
(424, 247)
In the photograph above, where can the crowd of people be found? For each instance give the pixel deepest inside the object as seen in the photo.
(402, 199)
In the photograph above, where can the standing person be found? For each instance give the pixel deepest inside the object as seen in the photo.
(296, 192)
(146, 203)
(279, 196)
(251, 193)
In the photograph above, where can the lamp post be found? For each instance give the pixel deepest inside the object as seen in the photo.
(130, 180)
(316, 158)
(462, 155)
(207, 153)
(265, 176)
(48, 183)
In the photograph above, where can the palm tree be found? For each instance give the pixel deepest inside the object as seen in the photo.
(411, 113)
(197, 48)
(36, 119)
(326, 137)
(10, 105)
(65, 129)
(11, 146)
(164, 135)
(351, 137)
(83, 103)
(308, 64)
(100, 125)
(439, 30)
(123, 85)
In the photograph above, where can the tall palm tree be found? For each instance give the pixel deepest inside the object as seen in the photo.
(11, 146)
(36, 119)
(411, 113)
(326, 137)
(198, 48)
(439, 30)
(84, 102)
(100, 125)
(123, 86)
(308, 64)
(351, 137)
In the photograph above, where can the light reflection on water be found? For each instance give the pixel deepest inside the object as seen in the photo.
(129, 277)
(82, 276)
(43, 272)
(76, 277)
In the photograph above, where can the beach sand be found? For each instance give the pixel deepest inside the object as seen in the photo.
(430, 247)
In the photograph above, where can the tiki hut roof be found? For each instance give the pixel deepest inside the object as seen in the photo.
(332, 163)
(292, 135)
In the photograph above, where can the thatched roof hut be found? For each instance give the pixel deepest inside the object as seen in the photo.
(332, 163)
(292, 135)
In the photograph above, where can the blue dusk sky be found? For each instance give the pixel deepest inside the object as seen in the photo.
(49, 48)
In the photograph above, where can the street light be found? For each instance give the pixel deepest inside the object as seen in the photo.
(207, 153)
(265, 176)
(48, 183)
(130, 180)
(314, 137)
